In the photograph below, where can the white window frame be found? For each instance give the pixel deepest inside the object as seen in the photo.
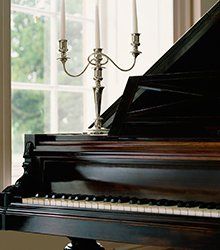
(5, 95)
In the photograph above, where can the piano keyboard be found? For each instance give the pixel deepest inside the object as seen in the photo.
(126, 204)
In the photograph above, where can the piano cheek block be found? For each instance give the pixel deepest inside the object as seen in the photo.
(160, 158)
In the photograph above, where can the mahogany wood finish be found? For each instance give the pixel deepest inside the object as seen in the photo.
(163, 144)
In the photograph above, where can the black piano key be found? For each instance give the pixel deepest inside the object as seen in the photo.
(142, 201)
(89, 197)
(72, 196)
(152, 202)
(80, 197)
(114, 199)
(39, 195)
(181, 204)
(123, 200)
(191, 204)
(133, 200)
(161, 202)
(65, 196)
(107, 198)
(48, 196)
(98, 198)
(211, 205)
(203, 205)
(171, 203)
(218, 206)
(58, 196)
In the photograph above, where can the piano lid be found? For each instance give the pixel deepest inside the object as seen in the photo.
(197, 50)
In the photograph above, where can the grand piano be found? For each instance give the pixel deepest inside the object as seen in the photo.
(154, 179)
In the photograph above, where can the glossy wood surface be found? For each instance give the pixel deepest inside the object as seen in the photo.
(142, 168)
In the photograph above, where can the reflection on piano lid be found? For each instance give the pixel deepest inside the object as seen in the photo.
(181, 105)
(161, 159)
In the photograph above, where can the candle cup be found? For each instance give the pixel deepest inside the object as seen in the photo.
(63, 49)
(135, 44)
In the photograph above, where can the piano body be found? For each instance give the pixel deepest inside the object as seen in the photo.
(154, 179)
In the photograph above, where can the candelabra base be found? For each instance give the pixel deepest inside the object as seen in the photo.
(101, 131)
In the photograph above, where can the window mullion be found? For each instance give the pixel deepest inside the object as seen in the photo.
(54, 116)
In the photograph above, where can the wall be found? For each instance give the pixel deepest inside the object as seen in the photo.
(206, 5)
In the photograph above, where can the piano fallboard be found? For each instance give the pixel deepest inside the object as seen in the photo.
(143, 168)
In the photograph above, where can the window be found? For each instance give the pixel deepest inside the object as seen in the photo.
(44, 99)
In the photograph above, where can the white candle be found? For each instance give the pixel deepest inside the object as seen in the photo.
(135, 18)
(97, 26)
(62, 21)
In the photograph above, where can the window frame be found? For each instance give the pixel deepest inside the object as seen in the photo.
(5, 95)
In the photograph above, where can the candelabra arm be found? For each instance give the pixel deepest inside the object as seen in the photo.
(118, 67)
(77, 75)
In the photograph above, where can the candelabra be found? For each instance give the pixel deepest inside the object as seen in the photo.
(98, 59)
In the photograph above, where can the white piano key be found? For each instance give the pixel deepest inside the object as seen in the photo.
(101, 205)
(184, 211)
(199, 212)
(88, 204)
(70, 203)
(35, 201)
(52, 202)
(47, 202)
(192, 212)
(155, 209)
(134, 208)
(206, 212)
(82, 204)
(140, 208)
(94, 205)
(58, 202)
(25, 200)
(41, 201)
(162, 210)
(169, 209)
(127, 207)
(107, 206)
(214, 213)
(115, 206)
(64, 203)
(147, 209)
(176, 211)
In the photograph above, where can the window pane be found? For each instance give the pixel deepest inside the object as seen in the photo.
(30, 111)
(29, 42)
(73, 7)
(70, 112)
(41, 4)
(75, 52)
